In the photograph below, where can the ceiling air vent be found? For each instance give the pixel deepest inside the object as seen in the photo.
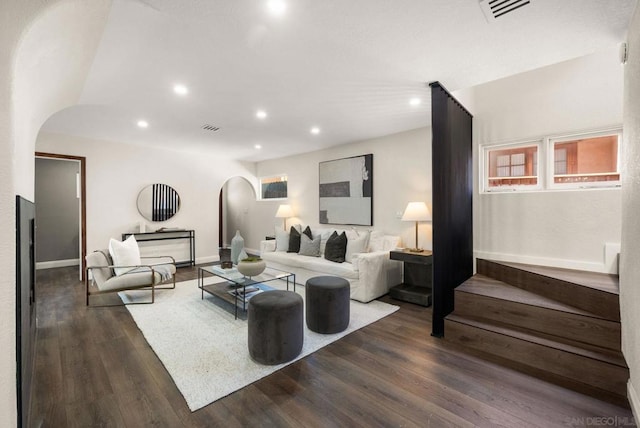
(494, 9)
(208, 127)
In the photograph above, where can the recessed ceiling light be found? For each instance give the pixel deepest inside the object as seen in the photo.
(261, 114)
(415, 101)
(315, 130)
(180, 89)
(257, 146)
(277, 7)
(143, 124)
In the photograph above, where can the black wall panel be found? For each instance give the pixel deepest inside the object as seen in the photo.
(452, 201)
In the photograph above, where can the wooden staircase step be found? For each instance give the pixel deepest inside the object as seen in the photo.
(485, 286)
(564, 362)
(609, 356)
(599, 281)
(592, 292)
(491, 299)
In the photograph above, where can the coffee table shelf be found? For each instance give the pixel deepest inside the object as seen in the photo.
(234, 281)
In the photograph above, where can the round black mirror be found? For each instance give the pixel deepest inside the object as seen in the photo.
(158, 202)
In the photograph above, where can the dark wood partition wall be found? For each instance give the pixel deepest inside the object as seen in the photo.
(452, 192)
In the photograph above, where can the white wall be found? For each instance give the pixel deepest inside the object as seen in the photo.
(630, 255)
(401, 173)
(117, 172)
(47, 48)
(562, 228)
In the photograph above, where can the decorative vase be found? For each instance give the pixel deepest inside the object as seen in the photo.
(237, 244)
(251, 266)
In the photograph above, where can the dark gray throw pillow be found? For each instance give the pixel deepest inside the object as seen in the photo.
(294, 240)
(336, 248)
(307, 231)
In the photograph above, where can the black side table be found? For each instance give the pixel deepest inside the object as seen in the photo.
(417, 274)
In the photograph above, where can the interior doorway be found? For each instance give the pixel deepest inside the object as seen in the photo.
(58, 243)
(236, 199)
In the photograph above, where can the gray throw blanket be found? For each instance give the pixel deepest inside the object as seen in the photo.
(163, 270)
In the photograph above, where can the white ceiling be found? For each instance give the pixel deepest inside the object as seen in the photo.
(349, 67)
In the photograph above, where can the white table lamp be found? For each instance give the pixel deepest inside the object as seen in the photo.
(416, 211)
(284, 211)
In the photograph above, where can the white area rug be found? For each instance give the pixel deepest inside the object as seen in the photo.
(204, 348)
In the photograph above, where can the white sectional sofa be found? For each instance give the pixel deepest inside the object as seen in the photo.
(370, 272)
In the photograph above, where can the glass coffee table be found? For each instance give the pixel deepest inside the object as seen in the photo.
(236, 289)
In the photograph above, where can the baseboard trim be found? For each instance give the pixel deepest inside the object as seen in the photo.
(633, 400)
(543, 261)
(208, 259)
(57, 263)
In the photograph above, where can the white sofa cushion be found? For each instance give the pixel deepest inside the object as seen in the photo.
(316, 264)
(376, 241)
(327, 267)
(357, 244)
(390, 243)
(283, 258)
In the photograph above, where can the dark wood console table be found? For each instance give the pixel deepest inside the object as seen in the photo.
(417, 277)
(180, 244)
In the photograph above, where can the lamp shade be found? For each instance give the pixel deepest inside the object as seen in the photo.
(284, 211)
(416, 211)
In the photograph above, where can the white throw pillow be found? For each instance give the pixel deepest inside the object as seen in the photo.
(376, 241)
(125, 253)
(282, 240)
(390, 242)
(357, 245)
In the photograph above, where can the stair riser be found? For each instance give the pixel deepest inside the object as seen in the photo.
(593, 331)
(599, 303)
(525, 355)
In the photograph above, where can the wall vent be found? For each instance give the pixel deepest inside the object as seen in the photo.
(494, 9)
(208, 127)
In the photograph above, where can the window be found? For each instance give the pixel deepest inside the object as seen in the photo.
(588, 160)
(566, 162)
(273, 187)
(511, 167)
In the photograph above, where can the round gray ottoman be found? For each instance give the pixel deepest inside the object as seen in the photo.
(275, 326)
(328, 306)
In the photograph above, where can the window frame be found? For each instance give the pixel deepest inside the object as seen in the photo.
(550, 175)
(484, 167)
(546, 162)
(272, 176)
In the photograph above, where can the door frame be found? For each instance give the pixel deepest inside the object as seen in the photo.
(83, 203)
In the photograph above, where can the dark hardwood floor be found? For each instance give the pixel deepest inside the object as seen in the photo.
(94, 368)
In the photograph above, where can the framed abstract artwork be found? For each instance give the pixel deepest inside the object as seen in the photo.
(346, 191)
(274, 187)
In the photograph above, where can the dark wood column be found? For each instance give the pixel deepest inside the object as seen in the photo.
(452, 196)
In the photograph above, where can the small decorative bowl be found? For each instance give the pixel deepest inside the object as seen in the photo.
(251, 267)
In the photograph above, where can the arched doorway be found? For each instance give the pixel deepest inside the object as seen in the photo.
(236, 201)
